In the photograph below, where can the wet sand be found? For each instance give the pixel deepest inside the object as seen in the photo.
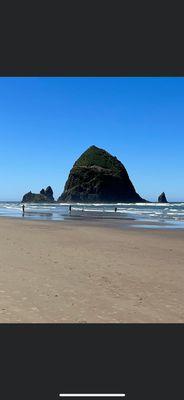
(90, 271)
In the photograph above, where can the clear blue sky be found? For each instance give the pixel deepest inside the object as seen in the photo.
(46, 123)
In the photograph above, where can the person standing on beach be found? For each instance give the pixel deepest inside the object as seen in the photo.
(23, 210)
(70, 208)
(115, 209)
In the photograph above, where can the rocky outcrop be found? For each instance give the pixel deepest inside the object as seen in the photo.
(162, 198)
(97, 176)
(45, 196)
(48, 193)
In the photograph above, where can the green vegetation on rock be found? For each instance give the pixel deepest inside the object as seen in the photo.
(95, 156)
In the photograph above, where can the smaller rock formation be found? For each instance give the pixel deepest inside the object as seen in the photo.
(162, 198)
(48, 193)
(45, 196)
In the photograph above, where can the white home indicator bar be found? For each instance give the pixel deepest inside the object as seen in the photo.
(92, 394)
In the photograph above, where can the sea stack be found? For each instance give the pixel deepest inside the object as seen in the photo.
(162, 198)
(45, 196)
(97, 176)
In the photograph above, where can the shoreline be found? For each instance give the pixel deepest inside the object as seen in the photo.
(86, 271)
(155, 216)
(119, 223)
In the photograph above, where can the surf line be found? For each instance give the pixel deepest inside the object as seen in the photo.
(92, 395)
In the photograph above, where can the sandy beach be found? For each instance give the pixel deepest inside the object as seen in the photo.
(89, 271)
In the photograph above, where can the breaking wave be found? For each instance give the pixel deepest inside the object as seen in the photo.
(159, 213)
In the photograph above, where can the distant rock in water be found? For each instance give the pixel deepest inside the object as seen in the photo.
(97, 176)
(45, 196)
(162, 198)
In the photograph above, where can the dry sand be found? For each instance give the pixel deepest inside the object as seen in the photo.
(89, 272)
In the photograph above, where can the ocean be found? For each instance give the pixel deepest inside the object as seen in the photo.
(170, 215)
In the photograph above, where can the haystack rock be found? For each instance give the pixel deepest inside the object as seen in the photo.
(162, 198)
(45, 196)
(97, 176)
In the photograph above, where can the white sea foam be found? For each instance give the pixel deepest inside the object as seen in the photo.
(153, 212)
